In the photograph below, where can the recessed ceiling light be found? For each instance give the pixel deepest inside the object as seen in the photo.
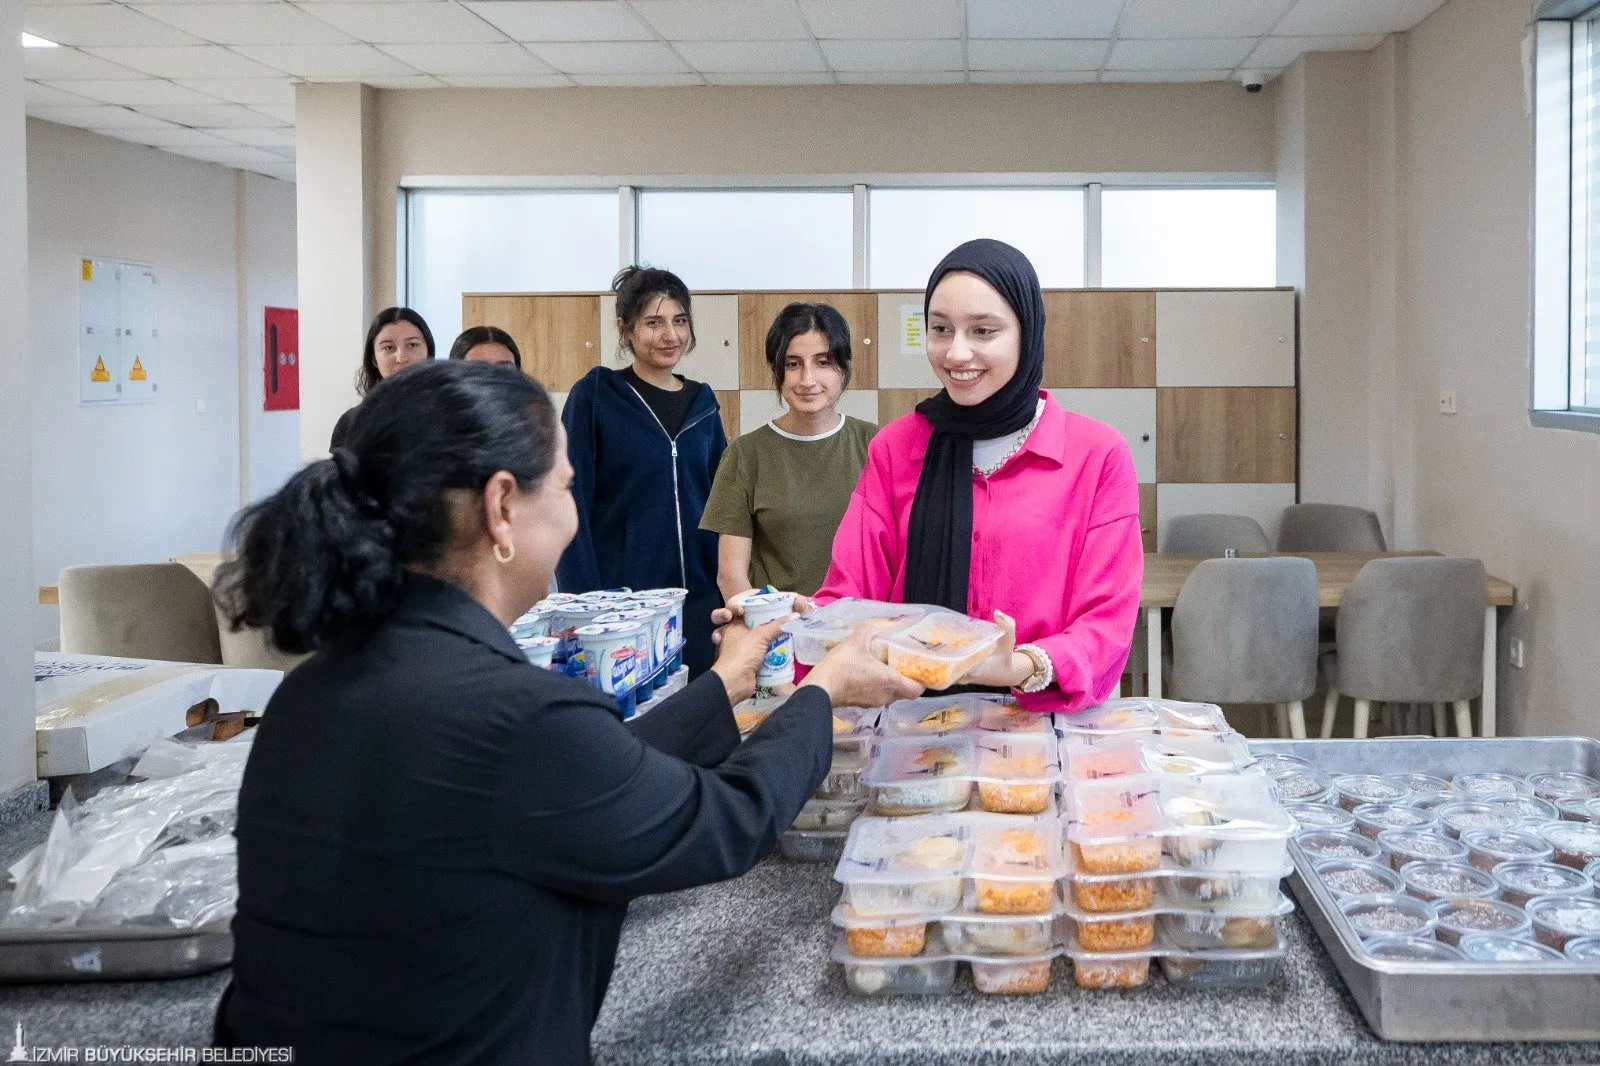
(30, 41)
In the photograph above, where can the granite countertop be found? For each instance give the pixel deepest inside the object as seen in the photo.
(739, 973)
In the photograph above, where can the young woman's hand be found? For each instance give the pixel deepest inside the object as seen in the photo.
(742, 652)
(1006, 667)
(724, 615)
(853, 676)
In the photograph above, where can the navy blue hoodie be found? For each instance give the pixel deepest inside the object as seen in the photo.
(634, 485)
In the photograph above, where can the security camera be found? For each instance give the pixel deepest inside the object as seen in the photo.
(1252, 80)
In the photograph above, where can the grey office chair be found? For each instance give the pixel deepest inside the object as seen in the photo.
(1213, 534)
(139, 611)
(1329, 527)
(1410, 630)
(1245, 631)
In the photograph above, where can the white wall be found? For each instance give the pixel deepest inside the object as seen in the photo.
(138, 482)
(270, 281)
(16, 572)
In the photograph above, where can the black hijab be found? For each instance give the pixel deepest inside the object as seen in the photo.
(939, 541)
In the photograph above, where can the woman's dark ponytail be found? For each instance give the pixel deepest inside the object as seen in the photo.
(322, 561)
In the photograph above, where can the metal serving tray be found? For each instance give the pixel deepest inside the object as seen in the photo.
(30, 956)
(1424, 1001)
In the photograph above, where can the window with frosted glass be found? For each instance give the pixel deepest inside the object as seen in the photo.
(910, 230)
(749, 239)
(460, 241)
(1188, 238)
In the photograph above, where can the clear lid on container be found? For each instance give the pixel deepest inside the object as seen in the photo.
(1161, 947)
(943, 636)
(1225, 807)
(1303, 785)
(1420, 844)
(845, 917)
(1171, 869)
(1577, 838)
(1529, 810)
(1592, 871)
(1273, 764)
(911, 760)
(932, 716)
(1196, 753)
(1001, 715)
(1143, 714)
(1420, 784)
(1540, 879)
(1578, 810)
(1334, 844)
(1583, 949)
(1090, 757)
(934, 950)
(1562, 785)
(1411, 949)
(1357, 877)
(1381, 816)
(853, 724)
(1459, 817)
(1508, 843)
(1009, 849)
(905, 850)
(1388, 915)
(1371, 788)
(833, 622)
(1567, 915)
(1313, 816)
(1498, 947)
(1449, 879)
(1112, 809)
(1481, 916)
(749, 714)
(1478, 786)
(1280, 907)
(1017, 758)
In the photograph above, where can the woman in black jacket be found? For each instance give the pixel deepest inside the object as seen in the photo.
(438, 841)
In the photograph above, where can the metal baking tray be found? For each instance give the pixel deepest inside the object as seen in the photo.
(31, 956)
(1450, 1001)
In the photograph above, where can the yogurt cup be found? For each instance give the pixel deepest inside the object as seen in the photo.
(536, 623)
(778, 666)
(661, 629)
(644, 647)
(610, 656)
(604, 596)
(674, 624)
(540, 651)
(555, 599)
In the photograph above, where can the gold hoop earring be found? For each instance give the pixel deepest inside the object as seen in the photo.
(511, 553)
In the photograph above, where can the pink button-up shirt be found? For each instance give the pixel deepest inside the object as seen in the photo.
(1055, 544)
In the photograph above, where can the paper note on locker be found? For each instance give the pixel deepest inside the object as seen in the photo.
(912, 329)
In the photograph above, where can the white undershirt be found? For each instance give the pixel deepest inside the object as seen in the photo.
(815, 436)
(987, 454)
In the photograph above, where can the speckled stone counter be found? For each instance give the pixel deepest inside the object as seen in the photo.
(739, 974)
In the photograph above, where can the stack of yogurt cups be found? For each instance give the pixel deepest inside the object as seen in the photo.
(627, 644)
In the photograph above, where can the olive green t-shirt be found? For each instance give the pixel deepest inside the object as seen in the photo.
(788, 495)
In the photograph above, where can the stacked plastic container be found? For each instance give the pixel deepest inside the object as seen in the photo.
(627, 644)
(1177, 847)
(819, 831)
(1482, 867)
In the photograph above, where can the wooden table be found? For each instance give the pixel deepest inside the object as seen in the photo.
(1164, 576)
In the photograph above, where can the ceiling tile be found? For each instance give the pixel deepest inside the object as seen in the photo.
(63, 64)
(862, 56)
(901, 77)
(1277, 52)
(752, 57)
(101, 24)
(245, 90)
(212, 116)
(173, 137)
(407, 23)
(1036, 55)
(1043, 18)
(278, 137)
(639, 80)
(70, 3)
(760, 78)
(38, 94)
(406, 81)
(506, 81)
(135, 93)
(1169, 19)
(263, 23)
(1318, 18)
(1032, 77)
(723, 20)
(1179, 55)
(1164, 75)
(884, 19)
(597, 57)
(467, 59)
(103, 117)
(234, 155)
(564, 20)
(332, 62)
(204, 61)
(281, 112)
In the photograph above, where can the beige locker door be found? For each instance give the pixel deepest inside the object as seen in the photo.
(1223, 338)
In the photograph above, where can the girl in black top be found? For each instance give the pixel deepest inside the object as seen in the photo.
(438, 841)
(397, 338)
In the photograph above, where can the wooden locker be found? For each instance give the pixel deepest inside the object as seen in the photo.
(892, 403)
(729, 402)
(1099, 339)
(1149, 520)
(559, 335)
(758, 309)
(1225, 435)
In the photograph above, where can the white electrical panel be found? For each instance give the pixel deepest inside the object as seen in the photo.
(118, 356)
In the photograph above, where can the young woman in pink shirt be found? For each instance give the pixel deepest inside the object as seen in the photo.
(993, 500)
